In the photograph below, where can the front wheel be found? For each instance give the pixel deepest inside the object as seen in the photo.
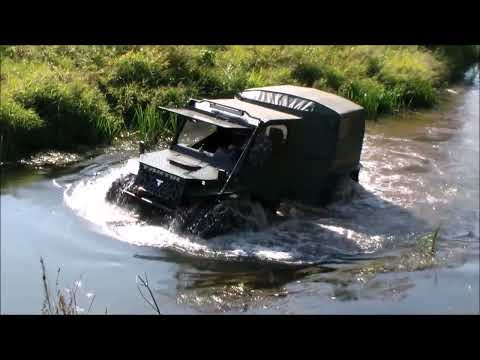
(220, 217)
(115, 194)
(208, 220)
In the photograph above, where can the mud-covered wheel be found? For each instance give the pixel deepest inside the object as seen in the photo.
(115, 194)
(210, 220)
(215, 218)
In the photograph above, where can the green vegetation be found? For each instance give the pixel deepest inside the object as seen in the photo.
(153, 125)
(66, 301)
(47, 106)
(59, 301)
(65, 97)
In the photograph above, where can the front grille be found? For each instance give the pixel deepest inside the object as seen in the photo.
(168, 188)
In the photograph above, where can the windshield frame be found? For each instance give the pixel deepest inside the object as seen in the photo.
(201, 155)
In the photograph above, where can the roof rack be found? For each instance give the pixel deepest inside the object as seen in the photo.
(225, 110)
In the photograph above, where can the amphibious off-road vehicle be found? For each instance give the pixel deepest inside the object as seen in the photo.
(267, 145)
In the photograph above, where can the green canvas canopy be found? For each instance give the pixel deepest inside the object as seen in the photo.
(300, 99)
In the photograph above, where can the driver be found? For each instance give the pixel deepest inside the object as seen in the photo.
(234, 151)
(228, 153)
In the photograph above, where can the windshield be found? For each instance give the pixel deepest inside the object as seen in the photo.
(194, 132)
(225, 145)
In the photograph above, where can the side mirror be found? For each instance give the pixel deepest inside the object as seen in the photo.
(141, 147)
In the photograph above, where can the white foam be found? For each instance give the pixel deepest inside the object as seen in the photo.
(87, 199)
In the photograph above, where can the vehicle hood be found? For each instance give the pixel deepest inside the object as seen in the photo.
(182, 165)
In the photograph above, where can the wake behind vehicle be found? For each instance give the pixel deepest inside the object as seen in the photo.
(265, 146)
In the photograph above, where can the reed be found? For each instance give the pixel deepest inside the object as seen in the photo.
(152, 125)
(59, 301)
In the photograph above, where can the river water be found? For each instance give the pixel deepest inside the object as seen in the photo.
(361, 256)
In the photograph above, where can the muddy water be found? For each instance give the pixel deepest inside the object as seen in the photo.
(420, 172)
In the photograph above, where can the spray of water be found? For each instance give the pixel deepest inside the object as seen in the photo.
(303, 236)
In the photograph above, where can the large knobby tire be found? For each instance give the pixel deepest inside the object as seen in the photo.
(210, 220)
(115, 194)
(213, 218)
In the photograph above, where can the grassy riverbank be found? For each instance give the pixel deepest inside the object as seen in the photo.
(70, 97)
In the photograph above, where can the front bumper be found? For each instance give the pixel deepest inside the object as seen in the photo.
(142, 196)
(167, 188)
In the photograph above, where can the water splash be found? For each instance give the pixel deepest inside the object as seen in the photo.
(303, 237)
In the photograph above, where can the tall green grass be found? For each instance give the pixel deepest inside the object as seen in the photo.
(44, 106)
(21, 130)
(153, 125)
(63, 96)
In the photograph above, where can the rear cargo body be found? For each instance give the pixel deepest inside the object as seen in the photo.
(321, 147)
